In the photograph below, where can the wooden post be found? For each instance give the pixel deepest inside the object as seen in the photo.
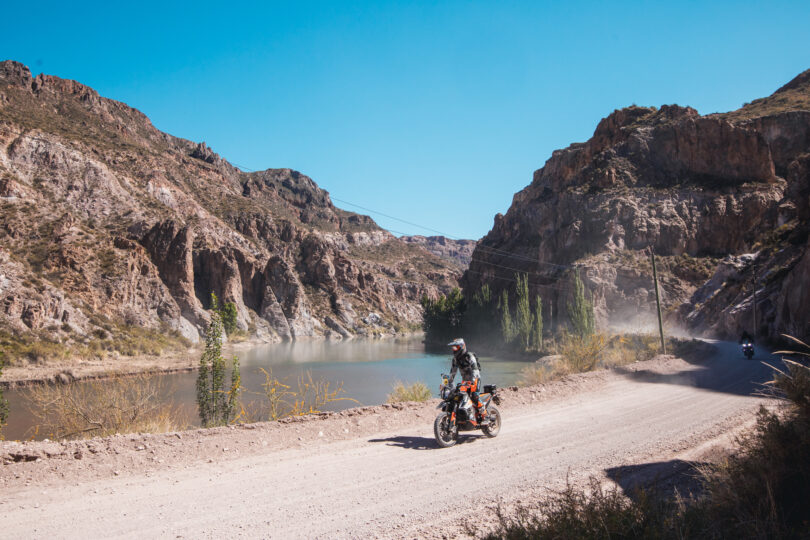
(658, 303)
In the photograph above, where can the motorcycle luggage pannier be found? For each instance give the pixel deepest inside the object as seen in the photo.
(490, 388)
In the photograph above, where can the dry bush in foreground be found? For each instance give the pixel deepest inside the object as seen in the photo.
(596, 512)
(417, 391)
(99, 408)
(761, 491)
(309, 396)
(580, 354)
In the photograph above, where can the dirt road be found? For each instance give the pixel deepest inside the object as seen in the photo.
(376, 472)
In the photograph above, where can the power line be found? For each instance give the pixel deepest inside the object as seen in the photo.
(511, 280)
(478, 246)
(492, 250)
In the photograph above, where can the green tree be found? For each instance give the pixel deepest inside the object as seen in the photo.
(481, 313)
(215, 405)
(523, 313)
(580, 310)
(228, 314)
(3, 402)
(537, 333)
(507, 328)
(442, 318)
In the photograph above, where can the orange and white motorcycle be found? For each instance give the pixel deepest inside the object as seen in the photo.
(458, 412)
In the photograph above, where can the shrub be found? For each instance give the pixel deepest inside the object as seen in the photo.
(81, 410)
(541, 373)
(417, 391)
(761, 491)
(594, 513)
(309, 396)
(582, 352)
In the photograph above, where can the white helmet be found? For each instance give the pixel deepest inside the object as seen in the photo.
(457, 345)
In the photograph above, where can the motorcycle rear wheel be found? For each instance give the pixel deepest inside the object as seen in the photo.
(494, 427)
(446, 436)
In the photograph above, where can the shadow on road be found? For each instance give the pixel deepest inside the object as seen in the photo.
(724, 370)
(660, 478)
(419, 443)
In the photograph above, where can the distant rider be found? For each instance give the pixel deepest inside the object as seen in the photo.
(746, 338)
(470, 374)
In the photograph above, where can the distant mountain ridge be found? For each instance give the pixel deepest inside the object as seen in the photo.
(459, 252)
(722, 199)
(108, 226)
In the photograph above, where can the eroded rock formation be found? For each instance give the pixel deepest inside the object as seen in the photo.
(104, 220)
(721, 199)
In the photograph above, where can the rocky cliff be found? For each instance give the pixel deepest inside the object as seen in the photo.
(721, 199)
(458, 252)
(109, 227)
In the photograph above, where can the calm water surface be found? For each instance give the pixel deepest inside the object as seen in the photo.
(367, 370)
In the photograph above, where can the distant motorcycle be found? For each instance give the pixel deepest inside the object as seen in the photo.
(748, 349)
(458, 412)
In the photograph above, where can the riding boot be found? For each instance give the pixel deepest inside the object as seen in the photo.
(482, 414)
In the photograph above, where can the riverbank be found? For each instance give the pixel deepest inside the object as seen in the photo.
(110, 367)
(330, 475)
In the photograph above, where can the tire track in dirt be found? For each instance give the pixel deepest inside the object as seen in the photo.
(385, 478)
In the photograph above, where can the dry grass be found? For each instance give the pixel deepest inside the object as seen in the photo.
(82, 410)
(417, 391)
(595, 512)
(305, 396)
(761, 491)
(577, 354)
(21, 349)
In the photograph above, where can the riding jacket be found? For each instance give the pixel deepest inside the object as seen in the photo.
(467, 363)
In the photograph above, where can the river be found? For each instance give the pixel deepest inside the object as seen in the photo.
(367, 370)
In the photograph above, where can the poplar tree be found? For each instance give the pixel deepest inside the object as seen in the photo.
(507, 327)
(227, 314)
(523, 314)
(538, 323)
(216, 405)
(580, 310)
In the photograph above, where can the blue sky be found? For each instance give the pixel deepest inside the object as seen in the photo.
(434, 112)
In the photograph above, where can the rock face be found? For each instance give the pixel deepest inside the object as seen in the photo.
(458, 252)
(104, 220)
(721, 199)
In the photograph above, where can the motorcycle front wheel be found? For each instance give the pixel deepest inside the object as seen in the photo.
(494, 427)
(446, 435)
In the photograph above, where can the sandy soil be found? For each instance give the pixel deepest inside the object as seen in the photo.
(375, 472)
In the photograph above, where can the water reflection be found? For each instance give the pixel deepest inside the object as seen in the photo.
(366, 369)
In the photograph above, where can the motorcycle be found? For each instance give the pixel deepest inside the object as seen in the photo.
(458, 412)
(748, 349)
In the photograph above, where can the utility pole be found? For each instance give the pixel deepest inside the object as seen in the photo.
(658, 302)
(755, 304)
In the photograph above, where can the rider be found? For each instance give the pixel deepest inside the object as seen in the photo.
(746, 338)
(470, 373)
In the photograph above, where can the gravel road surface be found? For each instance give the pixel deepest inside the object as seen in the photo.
(375, 472)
